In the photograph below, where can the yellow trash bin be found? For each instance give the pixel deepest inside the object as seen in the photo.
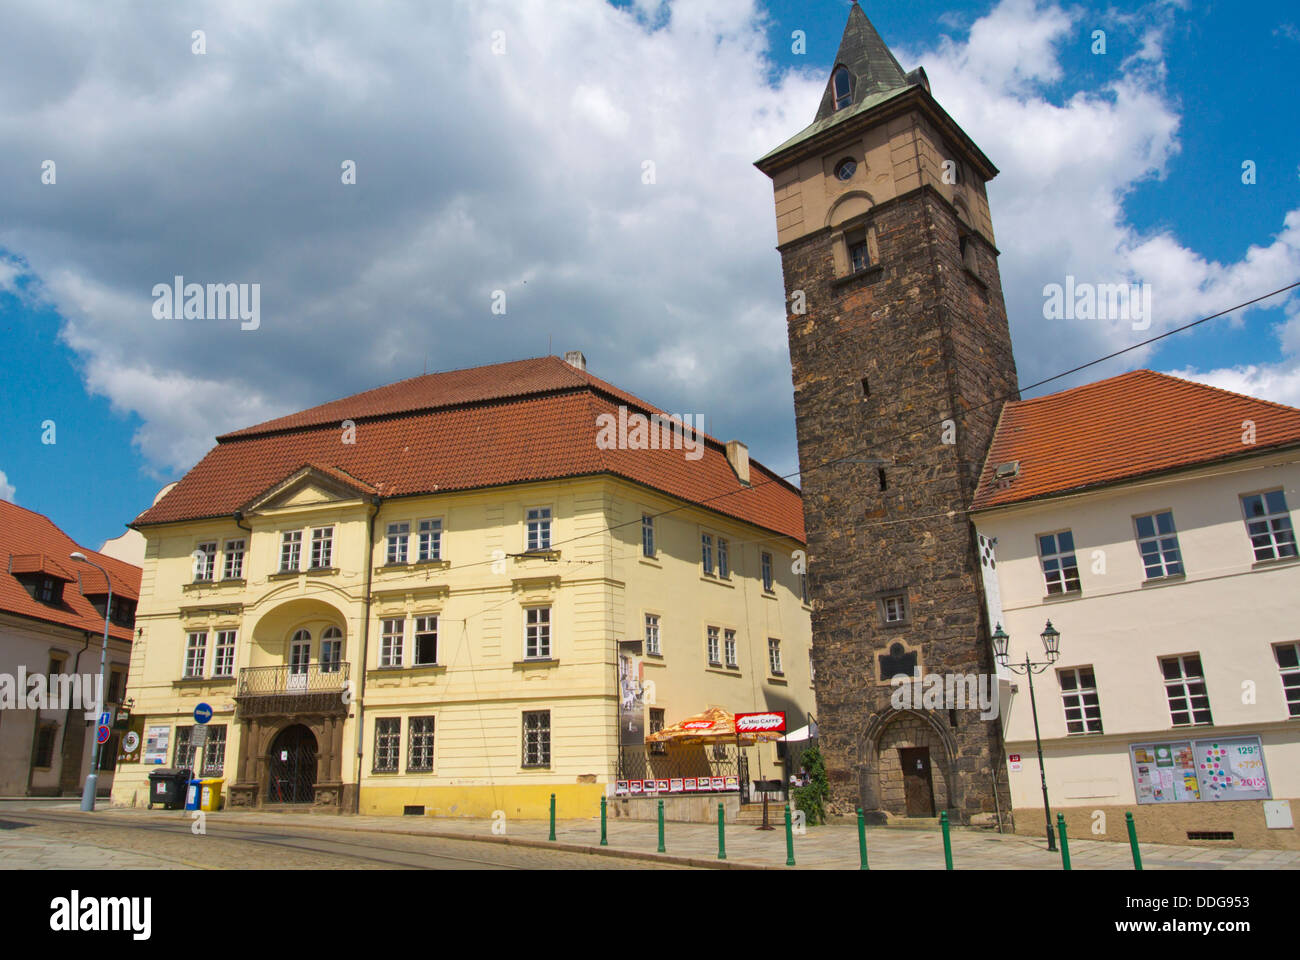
(210, 793)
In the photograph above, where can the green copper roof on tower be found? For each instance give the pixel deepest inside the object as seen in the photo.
(870, 67)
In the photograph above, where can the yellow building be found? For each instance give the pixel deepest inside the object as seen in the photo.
(415, 599)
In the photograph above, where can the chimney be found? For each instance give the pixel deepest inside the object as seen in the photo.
(575, 358)
(738, 457)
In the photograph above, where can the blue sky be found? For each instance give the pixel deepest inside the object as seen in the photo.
(479, 171)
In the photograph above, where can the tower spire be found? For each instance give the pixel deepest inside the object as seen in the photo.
(871, 67)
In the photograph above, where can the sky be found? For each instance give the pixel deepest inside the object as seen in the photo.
(503, 146)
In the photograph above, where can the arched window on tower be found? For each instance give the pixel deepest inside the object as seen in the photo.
(843, 92)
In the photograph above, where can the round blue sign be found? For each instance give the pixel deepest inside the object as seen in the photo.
(101, 735)
(202, 713)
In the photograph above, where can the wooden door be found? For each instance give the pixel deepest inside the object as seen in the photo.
(917, 785)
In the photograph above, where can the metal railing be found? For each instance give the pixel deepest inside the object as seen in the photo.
(310, 687)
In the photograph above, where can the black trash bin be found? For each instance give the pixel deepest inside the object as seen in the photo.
(167, 786)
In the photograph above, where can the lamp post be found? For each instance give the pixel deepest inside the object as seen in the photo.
(1052, 645)
(92, 779)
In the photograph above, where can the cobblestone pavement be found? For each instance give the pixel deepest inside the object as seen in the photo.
(833, 846)
(53, 838)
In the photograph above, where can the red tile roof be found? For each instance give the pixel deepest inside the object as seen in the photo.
(516, 422)
(1129, 426)
(31, 543)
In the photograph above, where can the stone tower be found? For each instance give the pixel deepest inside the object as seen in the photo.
(901, 359)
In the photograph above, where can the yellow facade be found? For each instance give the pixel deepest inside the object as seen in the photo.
(595, 581)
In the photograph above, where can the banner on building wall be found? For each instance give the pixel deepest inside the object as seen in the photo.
(1186, 771)
(128, 748)
(770, 721)
(631, 690)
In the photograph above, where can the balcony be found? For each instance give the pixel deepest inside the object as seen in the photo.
(315, 688)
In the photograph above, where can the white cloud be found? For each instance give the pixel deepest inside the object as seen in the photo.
(6, 488)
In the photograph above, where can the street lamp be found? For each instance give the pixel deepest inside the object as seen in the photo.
(1052, 645)
(88, 792)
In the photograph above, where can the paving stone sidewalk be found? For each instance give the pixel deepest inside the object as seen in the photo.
(832, 846)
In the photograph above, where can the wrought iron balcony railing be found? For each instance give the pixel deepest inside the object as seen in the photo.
(296, 688)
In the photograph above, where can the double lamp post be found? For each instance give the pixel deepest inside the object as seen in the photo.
(92, 779)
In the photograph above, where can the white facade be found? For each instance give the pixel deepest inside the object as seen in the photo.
(1227, 611)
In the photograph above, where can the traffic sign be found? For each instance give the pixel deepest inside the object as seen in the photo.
(102, 735)
(105, 718)
(202, 713)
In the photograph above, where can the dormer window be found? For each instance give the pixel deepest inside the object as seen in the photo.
(843, 93)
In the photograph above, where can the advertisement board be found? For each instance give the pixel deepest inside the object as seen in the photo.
(1188, 771)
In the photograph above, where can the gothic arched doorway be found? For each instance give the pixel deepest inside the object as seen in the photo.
(292, 771)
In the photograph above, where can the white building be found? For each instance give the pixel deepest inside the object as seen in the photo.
(1151, 519)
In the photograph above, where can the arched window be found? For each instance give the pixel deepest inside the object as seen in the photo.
(843, 91)
(299, 652)
(331, 650)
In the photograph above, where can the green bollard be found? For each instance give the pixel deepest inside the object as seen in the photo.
(862, 840)
(789, 838)
(1065, 841)
(1133, 840)
(661, 826)
(603, 841)
(552, 836)
(722, 837)
(947, 840)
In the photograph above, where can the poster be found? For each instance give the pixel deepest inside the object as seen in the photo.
(631, 689)
(1187, 771)
(155, 744)
(128, 750)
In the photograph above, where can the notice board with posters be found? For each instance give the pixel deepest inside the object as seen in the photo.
(155, 744)
(1187, 771)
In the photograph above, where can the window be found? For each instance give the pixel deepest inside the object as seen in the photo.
(108, 753)
(652, 635)
(419, 750)
(322, 548)
(647, 535)
(1157, 541)
(1060, 569)
(767, 573)
(1185, 685)
(859, 252)
(331, 650)
(706, 554)
(43, 752)
(300, 658)
(426, 641)
(398, 534)
(290, 550)
(803, 587)
(214, 751)
(223, 661)
(116, 685)
(1269, 524)
(715, 648)
(657, 724)
(205, 561)
(430, 541)
(51, 591)
(234, 560)
(846, 168)
(390, 643)
(842, 86)
(196, 649)
(729, 647)
(539, 528)
(122, 612)
(724, 562)
(893, 609)
(812, 668)
(774, 656)
(388, 744)
(537, 738)
(1288, 661)
(1079, 695)
(537, 633)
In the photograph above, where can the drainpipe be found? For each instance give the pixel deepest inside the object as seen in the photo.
(239, 515)
(67, 718)
(376, 502)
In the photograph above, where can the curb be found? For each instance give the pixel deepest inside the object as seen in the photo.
(597, 851)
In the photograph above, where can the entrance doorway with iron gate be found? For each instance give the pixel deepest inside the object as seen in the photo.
(918, 787)
(292, 771)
